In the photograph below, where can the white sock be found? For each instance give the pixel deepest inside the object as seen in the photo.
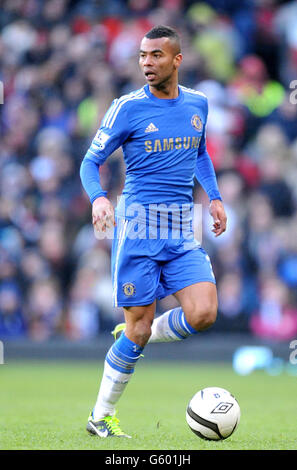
(171, 326)
(112, 386)
(161, 331)
(118, 369)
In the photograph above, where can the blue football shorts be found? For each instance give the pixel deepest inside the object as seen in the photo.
(145, 269)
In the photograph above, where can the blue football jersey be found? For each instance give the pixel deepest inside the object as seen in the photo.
(161, 141)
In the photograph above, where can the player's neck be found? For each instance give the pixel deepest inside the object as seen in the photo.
(168, 91)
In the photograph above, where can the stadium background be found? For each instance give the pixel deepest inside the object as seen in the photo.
(61, 63)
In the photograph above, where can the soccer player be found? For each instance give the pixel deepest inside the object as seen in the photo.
(161, 129)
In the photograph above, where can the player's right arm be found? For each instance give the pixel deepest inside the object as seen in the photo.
(111, 135)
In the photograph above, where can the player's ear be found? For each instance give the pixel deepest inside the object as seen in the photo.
(178, 60)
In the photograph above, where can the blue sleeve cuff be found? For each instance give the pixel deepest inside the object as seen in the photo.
(95, 196)
(214, 195)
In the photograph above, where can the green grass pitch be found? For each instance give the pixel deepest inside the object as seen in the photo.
(45, 405)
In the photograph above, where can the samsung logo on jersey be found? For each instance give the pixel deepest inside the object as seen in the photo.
(162, 145)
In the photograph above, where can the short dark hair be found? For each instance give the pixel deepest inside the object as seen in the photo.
(162, 31)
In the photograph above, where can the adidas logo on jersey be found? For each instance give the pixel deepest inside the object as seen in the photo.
(151, 128)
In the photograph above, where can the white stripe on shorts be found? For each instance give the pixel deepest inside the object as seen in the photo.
(115, 277)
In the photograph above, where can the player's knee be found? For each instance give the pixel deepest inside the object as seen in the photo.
(203, 316)
(141, 331)
(208, 318)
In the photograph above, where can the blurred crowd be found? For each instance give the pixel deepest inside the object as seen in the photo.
(62, 62)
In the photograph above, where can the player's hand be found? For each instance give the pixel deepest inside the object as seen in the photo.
(102, 214)
(217, 211)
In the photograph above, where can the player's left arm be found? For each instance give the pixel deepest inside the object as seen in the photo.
(205, 175)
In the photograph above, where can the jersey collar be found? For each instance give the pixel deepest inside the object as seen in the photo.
(165, 102)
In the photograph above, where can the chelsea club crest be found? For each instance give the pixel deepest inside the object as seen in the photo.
(129, 289)
(196, 122)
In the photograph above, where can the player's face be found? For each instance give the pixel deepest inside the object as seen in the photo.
(159, 60)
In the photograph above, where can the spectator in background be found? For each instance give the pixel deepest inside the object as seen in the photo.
(262, 246)
(12, 322)
(284, 117)
(44, 312)
(236, 299)
(83, 316)
(253, 87)
(287, 261)
(276, 318)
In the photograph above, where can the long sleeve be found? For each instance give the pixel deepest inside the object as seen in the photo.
(90, 178)
(206, 176)
(204, 171)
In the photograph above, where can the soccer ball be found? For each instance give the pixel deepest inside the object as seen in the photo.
(213, 413)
